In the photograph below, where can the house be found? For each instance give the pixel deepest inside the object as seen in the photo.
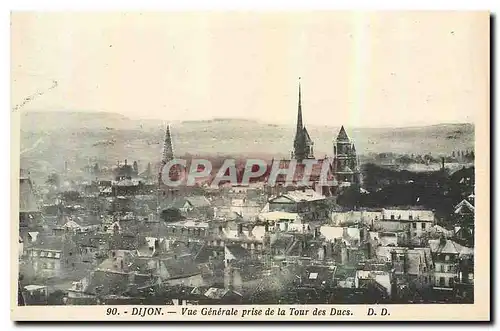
(51, 257)
(414, 263)
(446, 255)
(413, 221)
(280, 221)
(307, 202)
(346, 218)
(190, 204)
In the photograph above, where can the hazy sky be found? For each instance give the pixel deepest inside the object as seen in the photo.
(357, 69)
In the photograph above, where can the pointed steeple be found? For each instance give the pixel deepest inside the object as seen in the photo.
(342, 136)
(168, 151)
(300, 126)
(300, 139)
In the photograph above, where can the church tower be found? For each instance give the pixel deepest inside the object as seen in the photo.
(346, 163)
(174, 171)
(302, 144)
(168, 150)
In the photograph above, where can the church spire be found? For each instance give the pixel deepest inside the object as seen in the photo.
(300, 126)
(168, 151)
(342, 136)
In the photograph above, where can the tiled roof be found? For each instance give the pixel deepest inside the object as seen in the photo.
(447, 247)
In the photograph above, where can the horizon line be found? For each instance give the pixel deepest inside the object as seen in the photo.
(162, 121)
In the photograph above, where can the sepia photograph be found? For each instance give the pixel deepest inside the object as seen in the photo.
(250, 166)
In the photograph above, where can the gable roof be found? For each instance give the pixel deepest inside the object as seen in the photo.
(447, 247)
(464, 204)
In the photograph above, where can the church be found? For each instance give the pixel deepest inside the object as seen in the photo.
(343, 168)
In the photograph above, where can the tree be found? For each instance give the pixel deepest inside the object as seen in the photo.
(53, 179)
(171, 215)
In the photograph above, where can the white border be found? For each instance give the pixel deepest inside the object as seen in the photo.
(184, 5)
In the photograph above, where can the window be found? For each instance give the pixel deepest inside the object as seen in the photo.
(446, 257)
(57, 255)
(423, 226)
(442, 281)
(49, 254)
(34, 253)
(43, 254)
(414, 225)
(410, 217)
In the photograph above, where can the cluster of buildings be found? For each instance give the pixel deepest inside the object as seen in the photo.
(131, 240)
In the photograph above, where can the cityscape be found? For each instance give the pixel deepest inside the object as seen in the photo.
(384, 228)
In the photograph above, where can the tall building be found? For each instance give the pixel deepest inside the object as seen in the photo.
(168, 191)
(302, 144)
(346, 163)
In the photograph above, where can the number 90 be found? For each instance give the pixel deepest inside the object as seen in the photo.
(111, 311)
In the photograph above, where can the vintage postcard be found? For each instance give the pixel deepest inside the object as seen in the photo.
(250, 166)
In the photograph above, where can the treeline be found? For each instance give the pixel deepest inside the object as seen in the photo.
(436, 190)
(461, 156)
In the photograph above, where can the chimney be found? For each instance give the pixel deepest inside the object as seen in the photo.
(405, 263)
(125, 161)
(393, 258)
(442, 163)
(266, 227)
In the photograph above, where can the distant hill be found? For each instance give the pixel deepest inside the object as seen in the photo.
(53, 137)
